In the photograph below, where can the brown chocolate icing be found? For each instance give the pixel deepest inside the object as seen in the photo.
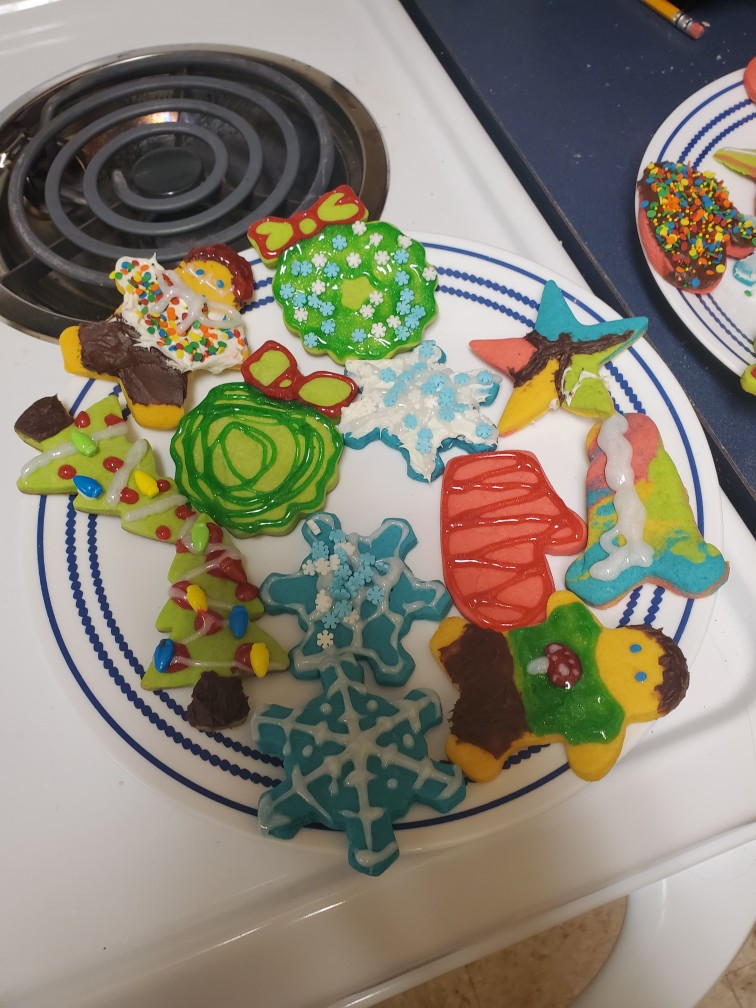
(489, 712)
(217, 702)
(562, 350)
(146, 375)
(675, 674)
(43, 419)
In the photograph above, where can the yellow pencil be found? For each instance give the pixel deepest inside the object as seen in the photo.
(685, 22)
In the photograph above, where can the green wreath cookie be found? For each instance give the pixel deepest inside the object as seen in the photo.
(360, 290)
(254, 464)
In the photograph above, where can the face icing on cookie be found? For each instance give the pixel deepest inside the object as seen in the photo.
(190, 314)
(567, 679)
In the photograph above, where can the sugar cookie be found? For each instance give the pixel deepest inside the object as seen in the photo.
(640, 524)
(500, 516)
(568, 679)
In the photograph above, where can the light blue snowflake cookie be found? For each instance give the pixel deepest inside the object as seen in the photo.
(355, 597)
(418, 405)
(354, 761)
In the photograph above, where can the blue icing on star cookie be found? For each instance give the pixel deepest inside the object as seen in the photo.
(355, 597)
(354, 761)
(416, 404)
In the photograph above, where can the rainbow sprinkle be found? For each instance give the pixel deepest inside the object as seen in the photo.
(693, 219)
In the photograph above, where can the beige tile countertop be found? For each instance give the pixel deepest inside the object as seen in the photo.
(550, 969)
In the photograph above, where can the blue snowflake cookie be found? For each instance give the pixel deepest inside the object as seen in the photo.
(353, 761)
(355, 598)
(418, 405)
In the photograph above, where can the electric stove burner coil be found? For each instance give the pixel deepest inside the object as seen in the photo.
(157, 152)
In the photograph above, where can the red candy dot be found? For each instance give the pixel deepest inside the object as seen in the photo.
(564, 668)
(82, 419)
(183, 511)
(129, 496)
(112, 419)
(216, 532)
(162, 532)
(163, 485)
(66, 472)
(246, 592)
(112, 463)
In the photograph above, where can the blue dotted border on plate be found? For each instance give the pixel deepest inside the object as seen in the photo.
(227, 765)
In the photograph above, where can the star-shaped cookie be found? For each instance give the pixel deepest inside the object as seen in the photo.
(557, 363)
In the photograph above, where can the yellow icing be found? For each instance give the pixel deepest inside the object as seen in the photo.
(529, 401)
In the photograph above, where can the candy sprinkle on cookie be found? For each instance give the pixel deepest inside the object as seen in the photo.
(360, 289)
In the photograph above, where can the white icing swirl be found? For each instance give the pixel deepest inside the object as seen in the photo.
(623, 542)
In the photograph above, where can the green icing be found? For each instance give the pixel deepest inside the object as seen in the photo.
(361, 290)
(254, 464)
(585, 713)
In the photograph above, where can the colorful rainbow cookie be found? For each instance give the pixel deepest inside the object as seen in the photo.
(557, 364)
(94, 456)
(689, 226)
(738, 160)
(422, 408)
(500, 516)
(353, 761)
(210, 615)
(273, 370)
(355, 598)
(640, 524)
(254, 464)
(568, 679)
(349, 289)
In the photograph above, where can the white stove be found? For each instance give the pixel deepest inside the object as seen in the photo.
(115, 895)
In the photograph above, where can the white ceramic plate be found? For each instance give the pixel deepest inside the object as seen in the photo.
(719, 115)
(103, 588)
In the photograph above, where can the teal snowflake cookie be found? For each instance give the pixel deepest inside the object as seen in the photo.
(360, 290)
(355, 597)
(421, 407)
(353, 761)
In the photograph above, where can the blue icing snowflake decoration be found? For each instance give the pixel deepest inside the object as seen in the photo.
(355, 598)
(354, 761)
(420, 407)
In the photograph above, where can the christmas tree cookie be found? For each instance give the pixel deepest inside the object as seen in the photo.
(209, 618)
(93, 456)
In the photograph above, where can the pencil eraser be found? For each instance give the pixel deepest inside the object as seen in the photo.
(696, 30)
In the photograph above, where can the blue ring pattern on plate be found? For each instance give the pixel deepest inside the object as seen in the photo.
(140, 702)
(707, 310)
